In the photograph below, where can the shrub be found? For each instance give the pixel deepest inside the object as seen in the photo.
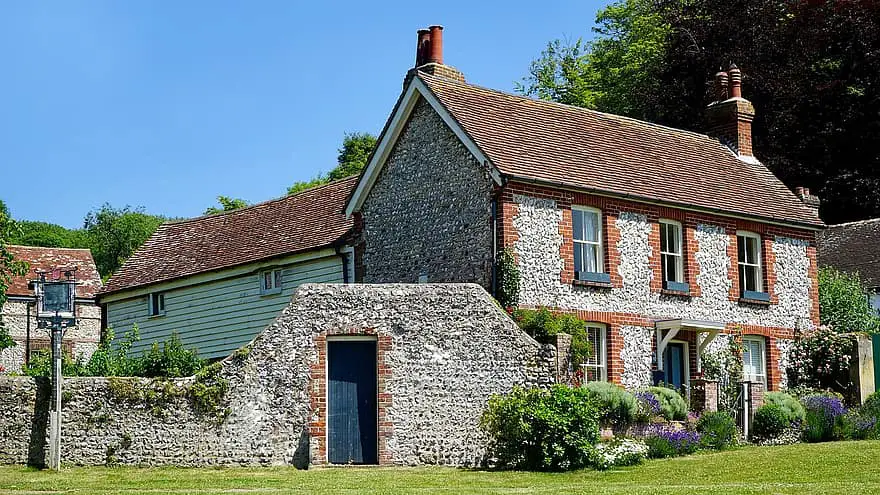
(544, 324)
(649, 406)
(618, 407)
(820, 359)
(792, 407)
(718, 430)
(871, 407)
(672, 406)
(665, 442)
(619, 453)
(770, 422)
(823, 419)
(173, 360)
(546, 430)
(857, 426)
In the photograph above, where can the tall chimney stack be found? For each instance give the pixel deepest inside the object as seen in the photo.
(730, 115)
(429, 56)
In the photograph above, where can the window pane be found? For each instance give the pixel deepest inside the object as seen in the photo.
(741, 248)
(577, 221)
(578, 257)
(672, 241)
(664, 234)
(670, 268)
(267, 281)
(591, 258)
(591, 226)
(277, 279)
(752, 250)
(751, 277)
(593, 337)
(161, 302)
(592, 374)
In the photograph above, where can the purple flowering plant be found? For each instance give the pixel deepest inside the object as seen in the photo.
(666, 441)
(648, 403)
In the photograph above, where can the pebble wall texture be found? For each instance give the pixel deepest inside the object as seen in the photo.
(412, 228)
(451, 348)
(636, 356)
(537, 249)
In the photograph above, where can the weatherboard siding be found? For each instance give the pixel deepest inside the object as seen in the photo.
(217, 317)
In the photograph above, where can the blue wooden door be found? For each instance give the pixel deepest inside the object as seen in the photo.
(674, 357)
(351, 403)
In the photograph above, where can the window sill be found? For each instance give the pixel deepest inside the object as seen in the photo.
(587, 283)
(754, 302)
(268, 293)
(676, 293)
(153, 317)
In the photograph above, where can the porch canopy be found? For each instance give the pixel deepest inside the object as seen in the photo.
(706, 332)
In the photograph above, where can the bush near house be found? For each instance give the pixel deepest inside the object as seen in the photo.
(718, 430)
(672, 405)
(770, 422)
(824, 417)
(619, 408)
(543, 430)
(793, 409)
(543, 324)
(664, 441)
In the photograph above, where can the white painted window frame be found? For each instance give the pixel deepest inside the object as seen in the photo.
(759, 273)
(152, 299)
(600, 355)
(600, 262)
(761, 341)
(679, 256)
(277, 281)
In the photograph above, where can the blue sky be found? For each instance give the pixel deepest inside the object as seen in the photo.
(167, 104)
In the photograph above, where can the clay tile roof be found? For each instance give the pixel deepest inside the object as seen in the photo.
(854, 248)
(301, 222)
(589, 150)
(48, 259)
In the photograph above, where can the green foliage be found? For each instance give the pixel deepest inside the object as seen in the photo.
(50, 235)
(544, 430)
(718, 430)
(844, 304)
(353, 155)
(173, 360)
(809, 70)
(726, 367)
(871, 407)
(619, 408)
(107, 361)
(9, 267)
(208, 392)
(508, 279)
(770, 421)
(226, 204)
(115, 234)
(790, 406)
(672, 405)
(543, 324)
(40, 364)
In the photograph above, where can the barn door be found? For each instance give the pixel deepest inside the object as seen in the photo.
(351, 402)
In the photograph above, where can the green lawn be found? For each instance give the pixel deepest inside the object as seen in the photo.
(842, 467)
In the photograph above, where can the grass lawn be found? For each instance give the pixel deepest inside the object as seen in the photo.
(829, 468)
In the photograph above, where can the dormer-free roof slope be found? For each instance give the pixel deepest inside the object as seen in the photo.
(46, 259)
(587, 150)
(305, 221)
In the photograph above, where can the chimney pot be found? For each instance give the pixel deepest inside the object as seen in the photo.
(735, 81)
(436, 45)
(808, 199)
(720, 86)
(423, 46)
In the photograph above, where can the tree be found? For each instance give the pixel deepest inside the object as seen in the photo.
(226, 204)
(353, 155)
(811, 69)
(115, 234)
(9, 267)
(844, 303)
(48, 235)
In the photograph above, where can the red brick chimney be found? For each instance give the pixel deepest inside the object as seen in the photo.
(429, 56)
(810, 200)
(730, 115)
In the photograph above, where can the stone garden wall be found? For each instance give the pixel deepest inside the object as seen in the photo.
(445, 348)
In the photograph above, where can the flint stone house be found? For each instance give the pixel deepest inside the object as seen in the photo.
(668, 242)
(19, 314)
(219, 280)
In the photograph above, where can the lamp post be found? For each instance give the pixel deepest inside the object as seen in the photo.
(56, 304)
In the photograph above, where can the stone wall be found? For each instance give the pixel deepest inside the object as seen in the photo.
(447, 349)
(429, 212)
(80, 340)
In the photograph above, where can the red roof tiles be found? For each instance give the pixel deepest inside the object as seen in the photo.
(305, 221)
(589, 150)
(48, 259)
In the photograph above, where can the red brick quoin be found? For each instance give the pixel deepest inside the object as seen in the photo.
(318, 393)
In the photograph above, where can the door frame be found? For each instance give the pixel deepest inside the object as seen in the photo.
(349, 338)
(686, 383)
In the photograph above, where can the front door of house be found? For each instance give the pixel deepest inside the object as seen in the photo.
(674, 364)
(351, 402)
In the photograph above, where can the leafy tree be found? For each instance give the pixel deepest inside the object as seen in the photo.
(844, 304)
(115, 234)
(9, 267)
(810, 69)
(46, 234)
(226, 204)
(353, 155)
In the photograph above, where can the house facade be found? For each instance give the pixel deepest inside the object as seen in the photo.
(668, 242)
(219, 280)
(19, 314)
